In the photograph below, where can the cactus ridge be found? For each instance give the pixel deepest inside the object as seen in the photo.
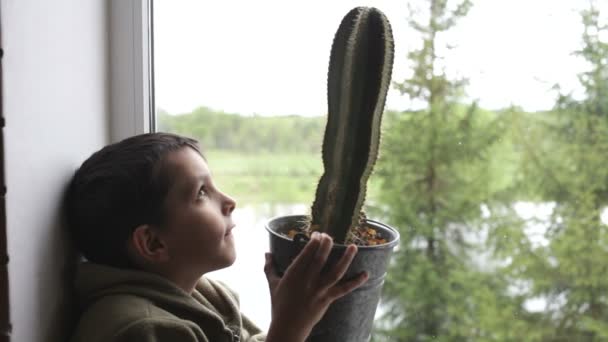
(358, 79)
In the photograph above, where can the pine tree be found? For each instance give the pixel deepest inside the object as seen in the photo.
(436, 170)
(565, 164)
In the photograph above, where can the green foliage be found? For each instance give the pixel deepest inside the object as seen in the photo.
(465, 160)
(258, 134)
(434, 194)
(438, 170)
(266, 177)
(256, 170)
(564, 160)
(256, 159)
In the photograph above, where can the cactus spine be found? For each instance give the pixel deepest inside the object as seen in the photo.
(358, 80)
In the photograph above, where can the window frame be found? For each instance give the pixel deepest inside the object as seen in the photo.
(131, 68)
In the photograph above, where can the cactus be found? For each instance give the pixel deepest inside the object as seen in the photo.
(358, 80)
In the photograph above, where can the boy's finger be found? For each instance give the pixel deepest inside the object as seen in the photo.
(339, 269)
(320, 258)
(302, 260)
(344, 288)
(269, 270)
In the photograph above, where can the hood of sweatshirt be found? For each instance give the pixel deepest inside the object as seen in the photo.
(211, 304)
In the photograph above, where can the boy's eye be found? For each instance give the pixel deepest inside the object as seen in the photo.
(201, 192)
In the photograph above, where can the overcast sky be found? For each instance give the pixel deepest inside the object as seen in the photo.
(270, 57)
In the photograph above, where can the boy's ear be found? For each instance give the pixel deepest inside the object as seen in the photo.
(148, 244)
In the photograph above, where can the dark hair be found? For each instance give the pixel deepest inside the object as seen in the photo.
(116, 189)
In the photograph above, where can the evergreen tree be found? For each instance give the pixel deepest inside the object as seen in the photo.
(564, 162)
(436, 170)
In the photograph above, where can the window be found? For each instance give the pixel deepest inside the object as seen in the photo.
(497, 184)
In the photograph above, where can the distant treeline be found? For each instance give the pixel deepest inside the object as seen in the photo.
(219, 130)
(224, 131)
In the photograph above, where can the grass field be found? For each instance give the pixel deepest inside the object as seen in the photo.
(264, 177)
(267, 178)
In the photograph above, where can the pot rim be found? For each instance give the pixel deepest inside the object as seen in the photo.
(389, 244)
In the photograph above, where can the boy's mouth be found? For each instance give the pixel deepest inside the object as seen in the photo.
(229, 230)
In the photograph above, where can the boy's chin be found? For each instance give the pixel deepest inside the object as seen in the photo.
(228, 260)
(232, 258)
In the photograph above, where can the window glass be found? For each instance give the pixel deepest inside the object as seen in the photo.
(491, 163)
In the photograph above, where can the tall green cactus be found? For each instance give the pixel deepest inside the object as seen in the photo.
(358, 80)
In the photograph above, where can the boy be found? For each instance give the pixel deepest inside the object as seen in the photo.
(148, 218)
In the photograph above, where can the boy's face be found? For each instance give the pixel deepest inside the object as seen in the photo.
(198, 222)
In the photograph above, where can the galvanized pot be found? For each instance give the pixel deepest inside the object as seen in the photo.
(351, 317)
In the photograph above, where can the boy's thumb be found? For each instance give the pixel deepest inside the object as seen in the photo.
(269, 267)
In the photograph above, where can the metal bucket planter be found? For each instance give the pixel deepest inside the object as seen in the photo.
(350, 318)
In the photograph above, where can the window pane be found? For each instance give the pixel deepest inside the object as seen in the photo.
(491, 164)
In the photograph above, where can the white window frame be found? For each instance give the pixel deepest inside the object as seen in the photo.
(131, 78)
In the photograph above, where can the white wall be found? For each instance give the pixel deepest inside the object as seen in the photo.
(56, 104)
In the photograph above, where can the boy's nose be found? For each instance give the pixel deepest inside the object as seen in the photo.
(228, 205)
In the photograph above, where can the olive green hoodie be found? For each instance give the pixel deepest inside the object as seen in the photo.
(121, 305)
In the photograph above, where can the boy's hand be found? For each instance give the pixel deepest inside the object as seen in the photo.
(301, 297)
